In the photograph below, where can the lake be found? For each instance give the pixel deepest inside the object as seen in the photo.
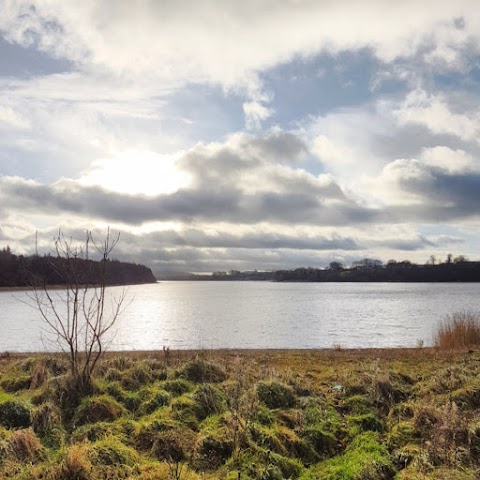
(187, 315)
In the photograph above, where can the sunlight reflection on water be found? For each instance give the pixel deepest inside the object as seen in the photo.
(261, 315)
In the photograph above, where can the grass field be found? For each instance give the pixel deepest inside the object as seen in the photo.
(337, 414)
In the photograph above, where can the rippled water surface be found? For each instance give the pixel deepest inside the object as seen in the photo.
(259, 315)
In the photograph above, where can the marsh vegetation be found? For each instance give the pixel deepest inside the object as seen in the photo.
(366, 414)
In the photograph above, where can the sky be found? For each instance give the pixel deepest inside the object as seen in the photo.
(218, 134)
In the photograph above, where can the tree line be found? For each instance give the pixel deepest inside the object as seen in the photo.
(461, 270)
(31, 270)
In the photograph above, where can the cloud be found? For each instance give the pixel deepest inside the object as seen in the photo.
(433, 190)
(255, 114)
(346, 139)
(12, 119)
(192, 249)
(445, 158)
(434, 112)
(260, 238)
(243, 181)
(131, 125)
(225, 42)
(238, 181)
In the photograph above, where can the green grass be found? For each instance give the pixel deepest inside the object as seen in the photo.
(270, 415)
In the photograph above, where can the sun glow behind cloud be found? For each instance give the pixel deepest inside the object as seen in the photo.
(240, 135)
(137, 172)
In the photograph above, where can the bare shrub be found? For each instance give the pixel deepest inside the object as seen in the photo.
(77, 315)
(459, 330)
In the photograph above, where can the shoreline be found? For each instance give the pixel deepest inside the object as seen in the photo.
(368, 352)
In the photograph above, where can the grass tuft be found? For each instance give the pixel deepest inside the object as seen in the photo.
(97, 409)
(276, 395)
(457, 331)
(199, 371)
(15, 413)
(24, 445)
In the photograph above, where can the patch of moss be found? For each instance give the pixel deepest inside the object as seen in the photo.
(266, 438)
(177, 386)
(200, 371)
(319, 413)
(265, 416)
(276, 395)
(208, 400)
(16, 382)
(364, 459)
(410, 453)
(184, 411)
(357, 405)
(47, 424)
(402, 433)
(113, 374)
(93, 432)
(4, 437)
(151, 398)
(213, 451)
(364, 422)
(467, 397)
(98, 408)
(113, 459)
(324, 442)
(137, 376)
(14, 413)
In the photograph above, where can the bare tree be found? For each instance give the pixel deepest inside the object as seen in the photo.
(78, 315)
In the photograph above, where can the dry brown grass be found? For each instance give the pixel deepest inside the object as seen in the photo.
(457, 331)
(75, 464)
(24, 445)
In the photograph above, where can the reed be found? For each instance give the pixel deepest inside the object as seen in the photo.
(458, 330)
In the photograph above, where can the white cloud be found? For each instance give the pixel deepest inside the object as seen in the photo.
(224, 41)
(330, 153)
(255, 114)
(10, 118)
(453, 161)
(345, 139)
(434, 112)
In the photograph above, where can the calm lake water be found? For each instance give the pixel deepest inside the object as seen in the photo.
(260, 315)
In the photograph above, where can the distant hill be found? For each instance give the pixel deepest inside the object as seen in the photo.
(24, 271)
